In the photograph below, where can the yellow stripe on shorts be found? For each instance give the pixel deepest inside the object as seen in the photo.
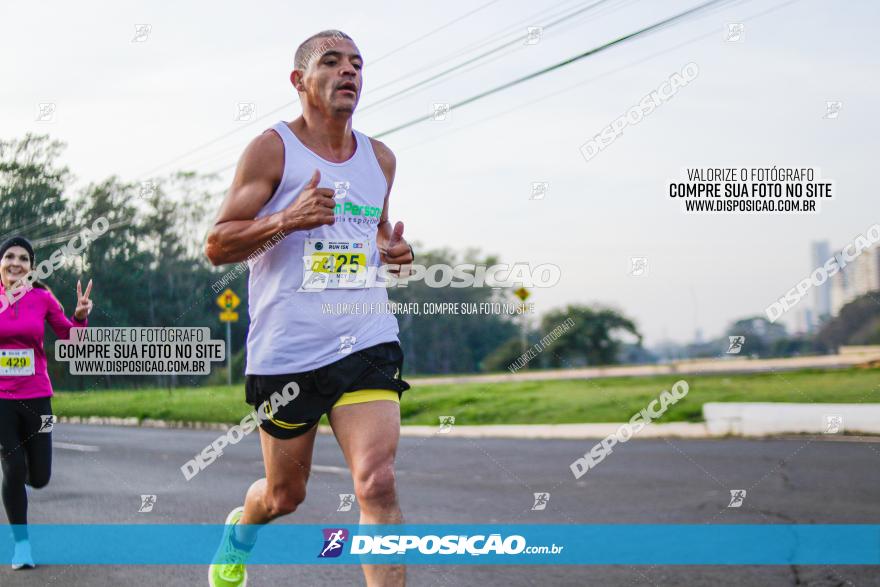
(362, 396)
(280, 423)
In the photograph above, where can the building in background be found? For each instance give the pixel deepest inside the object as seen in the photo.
(821, 252)
(855, 279)
(810, 323)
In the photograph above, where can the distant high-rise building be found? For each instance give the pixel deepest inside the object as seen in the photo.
(821, 252)
(855, 279)
(809, 323)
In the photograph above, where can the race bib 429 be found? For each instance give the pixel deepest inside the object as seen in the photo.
(16, 362)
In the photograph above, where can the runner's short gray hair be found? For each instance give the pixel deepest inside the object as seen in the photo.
(307, 50)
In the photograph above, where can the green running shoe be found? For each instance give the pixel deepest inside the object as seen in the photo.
(228, 569)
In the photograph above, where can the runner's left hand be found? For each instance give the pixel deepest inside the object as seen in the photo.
(83, 303)
(397, 251)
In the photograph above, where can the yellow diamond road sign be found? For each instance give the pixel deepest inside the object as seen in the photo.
(228, 300)
(228, 316)
(522, 293)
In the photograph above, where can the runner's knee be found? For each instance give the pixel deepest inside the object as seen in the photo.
(376, 486)
(39, 479)
(284, 500)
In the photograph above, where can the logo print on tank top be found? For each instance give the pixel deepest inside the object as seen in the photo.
(341, 189)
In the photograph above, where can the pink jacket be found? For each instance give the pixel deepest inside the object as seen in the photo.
(22, 325)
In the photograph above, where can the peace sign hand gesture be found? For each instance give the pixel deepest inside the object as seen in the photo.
(83, 303)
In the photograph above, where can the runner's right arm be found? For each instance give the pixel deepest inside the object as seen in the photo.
(237, 232)
(60, 323)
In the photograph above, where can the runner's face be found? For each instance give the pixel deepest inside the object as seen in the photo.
(14, 265)
(333, 79)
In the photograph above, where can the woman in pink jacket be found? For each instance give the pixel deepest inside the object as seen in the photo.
(25, 407)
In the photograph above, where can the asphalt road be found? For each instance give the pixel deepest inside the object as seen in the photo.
(101, 472)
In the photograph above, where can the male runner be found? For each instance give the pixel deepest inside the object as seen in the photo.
(325, 187)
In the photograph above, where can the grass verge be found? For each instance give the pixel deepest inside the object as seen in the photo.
(613, 399)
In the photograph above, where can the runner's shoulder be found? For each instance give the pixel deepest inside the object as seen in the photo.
(40, 293)
(385, 156)
(44, 296)
(264, 155)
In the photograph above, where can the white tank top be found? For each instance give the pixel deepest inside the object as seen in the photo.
(289, 330)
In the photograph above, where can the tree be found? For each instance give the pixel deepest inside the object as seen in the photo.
(593, 339)
(858, 323)
(449, 343)
(32, 185)
(504, 356)
(760, 334)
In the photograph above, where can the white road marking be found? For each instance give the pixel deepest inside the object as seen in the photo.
(78, 447)
(329, 469)
(337, 470)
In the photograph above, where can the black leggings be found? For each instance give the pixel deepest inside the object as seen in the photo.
(25, 455)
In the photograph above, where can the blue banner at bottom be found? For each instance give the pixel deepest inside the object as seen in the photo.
(492, 544)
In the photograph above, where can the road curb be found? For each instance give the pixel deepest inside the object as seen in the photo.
(722, 421)
(525, 431)
(559, 431)
(145, 423)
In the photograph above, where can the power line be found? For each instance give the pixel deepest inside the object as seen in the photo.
(591, 80)
(559, 65)
(570, 20)
(593, 51)
(223, 152)
(22, 228)
(61, 237)
(284, 106)
(478, 57)
(566, 18)
(212, 141)
(498, 35)
(437, 30)
(386, 84)
(556, 93)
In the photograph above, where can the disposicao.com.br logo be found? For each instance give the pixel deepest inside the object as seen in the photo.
(431, 544)
(334, 540)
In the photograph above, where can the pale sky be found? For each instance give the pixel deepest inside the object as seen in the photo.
(126, 107)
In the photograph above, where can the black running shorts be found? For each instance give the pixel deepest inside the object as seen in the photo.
(378, 367)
